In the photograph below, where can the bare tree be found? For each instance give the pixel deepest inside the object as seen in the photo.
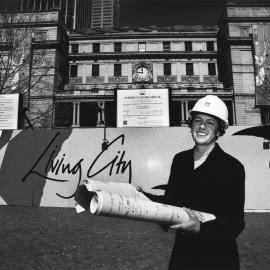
(262, 72)
(25, 62)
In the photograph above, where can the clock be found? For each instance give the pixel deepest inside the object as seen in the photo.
(142, 73)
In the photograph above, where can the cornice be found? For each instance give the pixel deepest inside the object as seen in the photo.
(127, 35)
(142, 55)
(248, 19)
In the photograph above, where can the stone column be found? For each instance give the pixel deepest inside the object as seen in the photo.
(184, 111)
(101, 114)
(76, 114)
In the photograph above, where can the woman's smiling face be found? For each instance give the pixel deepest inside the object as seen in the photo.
(204, 129)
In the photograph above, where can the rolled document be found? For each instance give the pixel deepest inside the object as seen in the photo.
(123, 200)
(85, 192)
(110, 204)
(124, 189)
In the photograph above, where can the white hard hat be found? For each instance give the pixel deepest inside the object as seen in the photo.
(214, 106)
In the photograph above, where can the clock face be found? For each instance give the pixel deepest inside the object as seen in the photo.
(142, 73)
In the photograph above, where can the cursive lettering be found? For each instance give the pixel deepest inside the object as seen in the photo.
(117, 162)
(55, 167)
(59, 166)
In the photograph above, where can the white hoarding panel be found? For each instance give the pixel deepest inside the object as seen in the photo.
(44, 167)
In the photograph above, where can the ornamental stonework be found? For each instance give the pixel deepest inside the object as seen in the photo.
(210, 79)
(167, 79)
(94, 80)
(190, 79)
(117, 80)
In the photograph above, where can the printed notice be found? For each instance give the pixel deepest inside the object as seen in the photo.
(9, 107)
(142, 108)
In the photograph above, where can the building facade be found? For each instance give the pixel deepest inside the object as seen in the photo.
(228, 60)
(105, 14)
(182, 59)
(243, 44)
(34, 61)
(76, 14)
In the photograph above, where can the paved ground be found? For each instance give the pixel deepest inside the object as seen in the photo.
(58, 238)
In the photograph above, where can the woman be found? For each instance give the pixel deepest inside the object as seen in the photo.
(207, 179)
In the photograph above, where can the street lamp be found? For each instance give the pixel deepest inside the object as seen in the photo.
(29, 80)
(30, 69)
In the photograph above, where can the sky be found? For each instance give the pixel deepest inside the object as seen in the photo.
(171, 12)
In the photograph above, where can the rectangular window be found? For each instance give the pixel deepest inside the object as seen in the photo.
(62, 6)
(142, 46)
(50, 4)
(74, 48)
(212, 69)
(210, 46)
(24, 5)
(73, 71)
(95, 70)
(37, 4)
(39, 36)
(43, 4)
(166, 46)
(30, 5)
(167, 69)
(70, 13)
(117, 46)
(117, 70)
(189, 69)
(57, 3)
(96, 47)
(188, 46)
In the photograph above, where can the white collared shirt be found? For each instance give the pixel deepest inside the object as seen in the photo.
(200, 161)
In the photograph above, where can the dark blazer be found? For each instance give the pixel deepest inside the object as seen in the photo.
(217, 187)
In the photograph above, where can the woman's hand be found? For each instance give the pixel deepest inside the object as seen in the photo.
(193, 225)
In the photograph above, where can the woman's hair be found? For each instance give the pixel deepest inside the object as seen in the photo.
(221, 124)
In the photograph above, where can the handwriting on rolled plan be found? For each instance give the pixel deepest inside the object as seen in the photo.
(60, 167)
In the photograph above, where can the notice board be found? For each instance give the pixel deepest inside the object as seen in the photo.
(10, 107)
(142, 108)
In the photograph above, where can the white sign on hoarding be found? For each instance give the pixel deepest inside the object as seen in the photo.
(143, 108)
(9, 111)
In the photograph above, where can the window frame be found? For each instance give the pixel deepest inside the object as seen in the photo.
(96, 47)
(212, 71)
(118, 47)
(75, 48)
(189, 69)
(142, 46)
(166, 46)
(117, 70)
(188, 46)
(95, 70)
(167, 69)
(73, 71)
(210, 46)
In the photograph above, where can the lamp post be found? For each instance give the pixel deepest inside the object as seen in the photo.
(30, 70)
(29, 81)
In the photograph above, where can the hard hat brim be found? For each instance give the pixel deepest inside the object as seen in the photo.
(226, 124)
